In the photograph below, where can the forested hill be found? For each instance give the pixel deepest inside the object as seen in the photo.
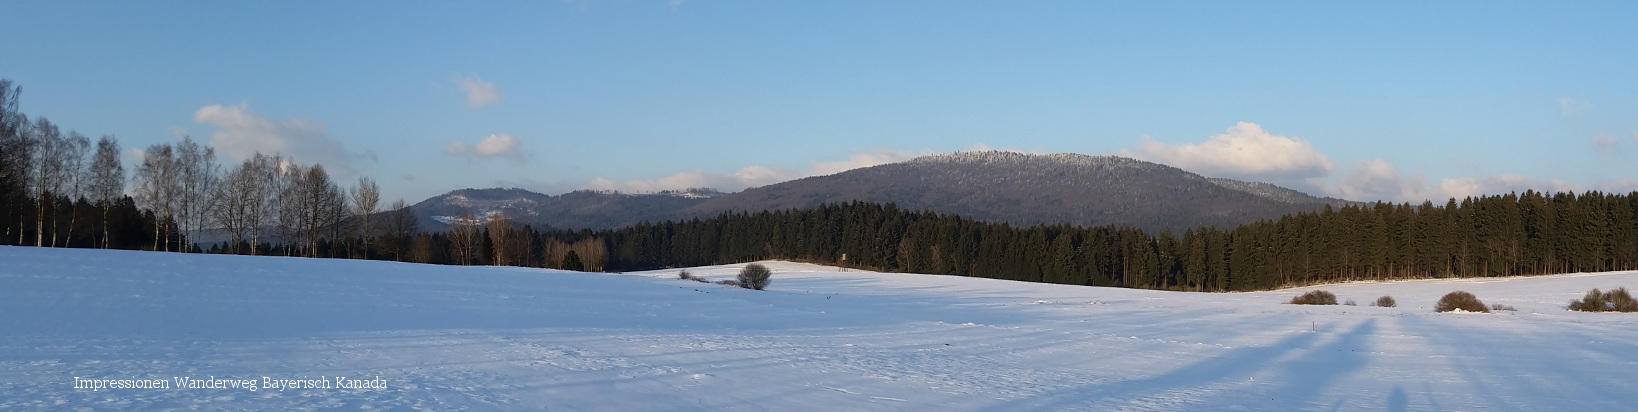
(1025, 189)
(573, 210)
(1020, 189)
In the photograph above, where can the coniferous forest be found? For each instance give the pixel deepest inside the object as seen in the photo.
(58, 189)
(1508, 235)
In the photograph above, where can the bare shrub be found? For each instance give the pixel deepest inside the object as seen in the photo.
(1499, 306)
(728, 282)
(1460, 300)
(755, 276)
(1620, 300)
(1386, 302)
(1350, 302)
(684, 275)
(1593, 301)
(1615, 300)
(1318, 297)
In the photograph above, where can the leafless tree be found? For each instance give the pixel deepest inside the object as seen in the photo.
(463, 239)
(309, 206)
(107, 179)
(196, 172)
(157, 189)
(500, 233)
(421, 249)
(399, 225)
(239, 204)
(338, 217)
(288, 202)
(47, 143)
(71, 179)
(270, 181)
(591, 251)
(366, 199)
(14, 155)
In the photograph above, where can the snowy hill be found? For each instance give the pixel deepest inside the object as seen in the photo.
(482, 338)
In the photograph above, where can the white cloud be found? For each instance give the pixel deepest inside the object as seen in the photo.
(496, 146)
(1244, 151)
(1604, 143)
(1376, 179)
(752, 176)
(479, 93)
(240, 133)
(1618, 186)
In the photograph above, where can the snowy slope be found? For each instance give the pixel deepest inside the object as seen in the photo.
(453, 338)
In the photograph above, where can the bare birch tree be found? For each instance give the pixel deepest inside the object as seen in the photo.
(157, 190)
(47, 143)
(310, 206)
(463, 239)
(239, 204)
(14, 155)
(107, 180)
(500, 231)
(196, 174)
(270, 182)
(72, 178)
(366, 197)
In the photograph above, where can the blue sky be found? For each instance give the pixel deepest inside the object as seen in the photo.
(1382, 100)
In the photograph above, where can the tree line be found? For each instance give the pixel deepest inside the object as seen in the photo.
(56, 192)
(1488, 236)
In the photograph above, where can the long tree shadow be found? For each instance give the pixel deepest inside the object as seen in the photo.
(1314, 371)
(1306, 376)
(1533, 371)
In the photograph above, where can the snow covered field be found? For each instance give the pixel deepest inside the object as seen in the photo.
(483, 338)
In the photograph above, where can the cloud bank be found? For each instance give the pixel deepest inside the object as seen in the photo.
(1246, 151)
(240, 133)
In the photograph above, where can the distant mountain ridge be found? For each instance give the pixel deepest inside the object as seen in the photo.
(1027, 189)
(1020, 189)
(573, 210)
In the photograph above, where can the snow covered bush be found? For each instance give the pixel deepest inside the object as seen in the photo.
(1500, 307)
(1462, 301)
(755, 276)
(1318, 297)
(1386, 302)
